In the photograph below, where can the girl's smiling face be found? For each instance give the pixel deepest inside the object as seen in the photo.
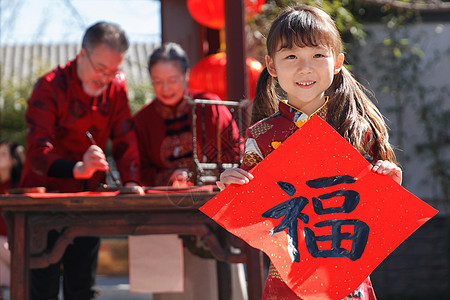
(305, 73)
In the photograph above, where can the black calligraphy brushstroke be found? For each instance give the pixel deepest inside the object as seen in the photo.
(292, 211)
(351, 200)
(359, 239)
(287, 187)
(330, 181)
(292, 234)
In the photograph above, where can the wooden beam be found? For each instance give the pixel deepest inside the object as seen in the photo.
(236, 50)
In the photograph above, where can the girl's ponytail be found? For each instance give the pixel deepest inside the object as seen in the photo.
(265, 102)
(356, 118)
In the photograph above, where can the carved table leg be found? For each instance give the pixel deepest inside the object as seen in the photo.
(255, 273)
(224, 280)
(19, 258)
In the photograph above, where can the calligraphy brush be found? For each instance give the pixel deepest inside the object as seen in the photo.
(108, 171)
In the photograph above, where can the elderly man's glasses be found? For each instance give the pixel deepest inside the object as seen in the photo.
(101, 71)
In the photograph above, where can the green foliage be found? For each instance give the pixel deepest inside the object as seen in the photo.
(13, 99)
(341, 11)
(436, 120)
(401, 65)
(14, 96)
(139, 95)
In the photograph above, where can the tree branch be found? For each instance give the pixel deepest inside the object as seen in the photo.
(421, 6)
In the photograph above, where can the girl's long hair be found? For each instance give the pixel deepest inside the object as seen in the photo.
(350, 111)
(265, 101)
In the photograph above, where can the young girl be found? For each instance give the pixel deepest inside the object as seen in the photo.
(305, 54)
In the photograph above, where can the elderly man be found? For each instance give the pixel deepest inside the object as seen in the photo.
(86, 95)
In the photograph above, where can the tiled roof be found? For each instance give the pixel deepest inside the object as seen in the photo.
(18, 62)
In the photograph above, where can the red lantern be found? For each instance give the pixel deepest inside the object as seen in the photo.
(254, 69)
(210, 13)
(210, 75)
(253, 7)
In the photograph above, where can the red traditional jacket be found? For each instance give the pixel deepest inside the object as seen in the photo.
(261, 139)
(4, 186)
(165, 137)
(58, 115)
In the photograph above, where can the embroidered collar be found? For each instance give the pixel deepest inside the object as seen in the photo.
(295, 115)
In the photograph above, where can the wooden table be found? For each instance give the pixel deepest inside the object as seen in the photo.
(30, 219)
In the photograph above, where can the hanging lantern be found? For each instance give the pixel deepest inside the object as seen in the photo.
(211, 13)
(210, 75)
(253, 7)
(254, 69)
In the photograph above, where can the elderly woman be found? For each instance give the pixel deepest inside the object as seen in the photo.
(164, 132)
(164, 126)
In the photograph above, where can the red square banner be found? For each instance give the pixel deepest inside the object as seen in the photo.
(318, 211)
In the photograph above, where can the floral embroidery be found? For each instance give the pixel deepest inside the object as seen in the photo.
(300, 123)
(251, 159)
(259, 129)
(323, 113)
(275, 145)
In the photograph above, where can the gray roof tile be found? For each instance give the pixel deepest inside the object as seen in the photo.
(18, 62)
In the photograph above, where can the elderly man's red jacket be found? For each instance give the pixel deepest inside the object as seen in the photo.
(58, 115)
